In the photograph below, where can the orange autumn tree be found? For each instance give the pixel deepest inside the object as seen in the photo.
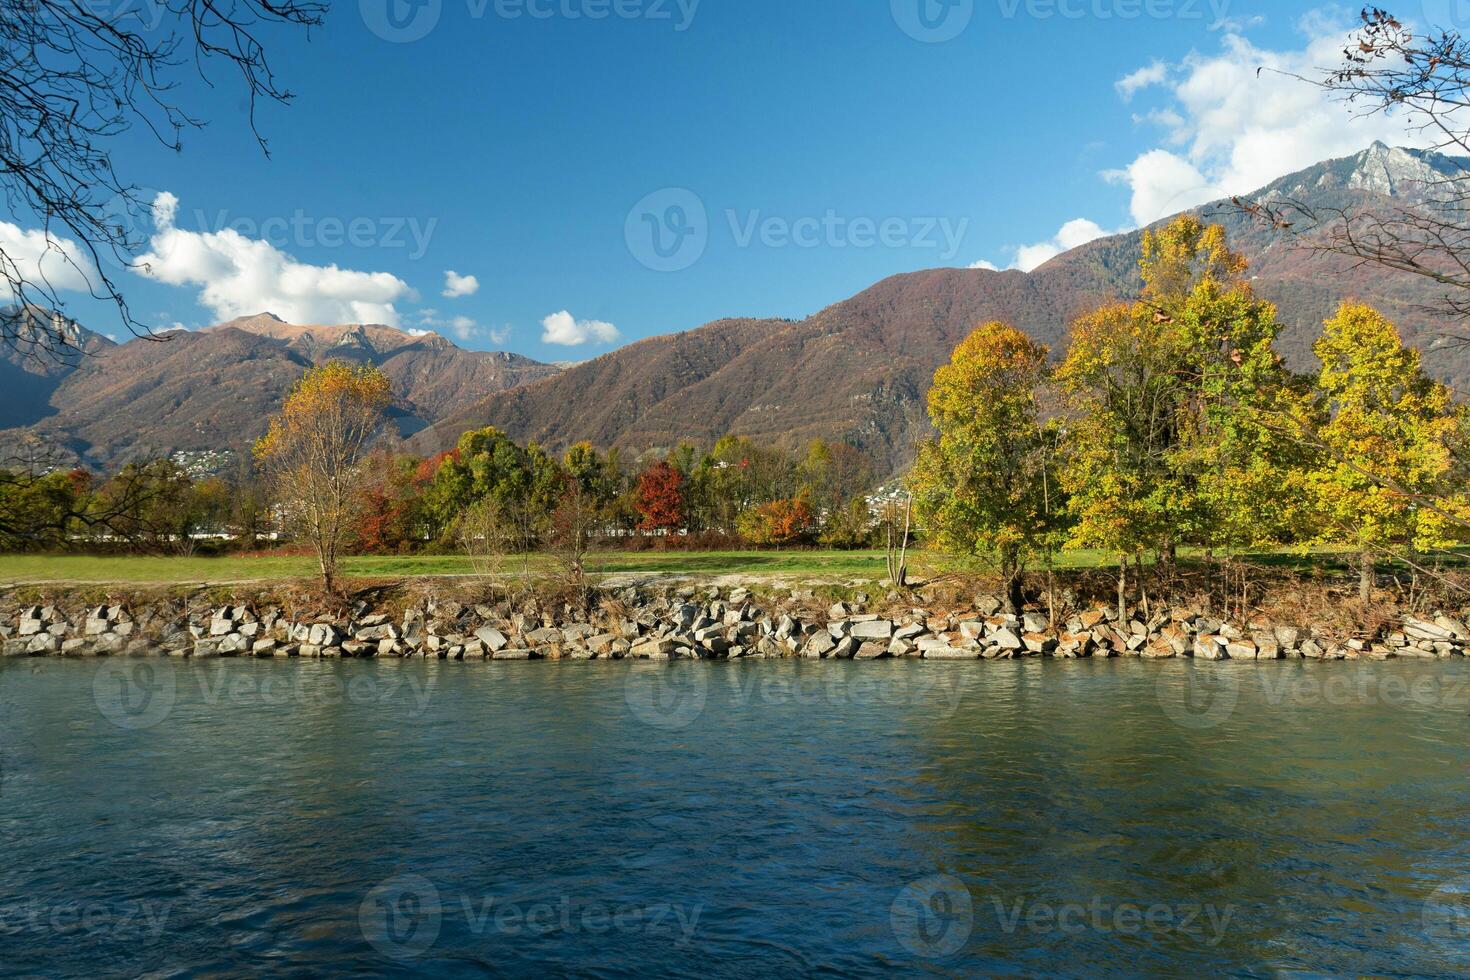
(776, 523)
(314, 448)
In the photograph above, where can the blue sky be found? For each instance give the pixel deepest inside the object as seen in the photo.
(788, 153)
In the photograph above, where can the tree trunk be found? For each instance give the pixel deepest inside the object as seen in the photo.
(1015, 598)
(1122, 588)
(1366, 576)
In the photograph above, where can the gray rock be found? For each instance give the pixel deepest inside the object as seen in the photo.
(493, 639)
(878, 629)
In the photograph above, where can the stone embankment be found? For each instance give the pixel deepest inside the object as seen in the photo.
(691, 623)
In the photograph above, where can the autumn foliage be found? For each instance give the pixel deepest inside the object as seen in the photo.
(660, 498)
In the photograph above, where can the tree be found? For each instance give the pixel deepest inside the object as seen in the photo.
(41, 512)
(313, 451)
(73, 78)
(833, 475)
(779, 522)
(660, 498)
(487, 533)
(572, 526)
(980, 486)
(850, 527)
(385, 516)
(1169, 440)
(151, 505)
(488, 463)
(1385, 442)
(594, 473)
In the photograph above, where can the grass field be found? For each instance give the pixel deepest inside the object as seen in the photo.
(159, 570)
(869, 565)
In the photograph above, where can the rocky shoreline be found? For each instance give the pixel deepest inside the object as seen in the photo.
(690, 622)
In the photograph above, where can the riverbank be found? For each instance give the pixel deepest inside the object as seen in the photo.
(665, 622)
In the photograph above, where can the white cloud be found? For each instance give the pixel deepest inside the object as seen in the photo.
(456, 285)
(983, 264)
(562, 328)
(1073, 234)
(40, 259)
(1243, 116)
(239, 276)
(1151, 74)
(1163, 183)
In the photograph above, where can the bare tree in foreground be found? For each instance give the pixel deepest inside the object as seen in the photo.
(1424, 79)
(488, 534)
(572, 526)
(75, 75)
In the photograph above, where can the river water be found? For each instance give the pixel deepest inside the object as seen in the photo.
(734, 819)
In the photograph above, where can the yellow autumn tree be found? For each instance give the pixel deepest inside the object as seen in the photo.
(1170, 399)
(313, 450)
(1384, 441)
(981, 486)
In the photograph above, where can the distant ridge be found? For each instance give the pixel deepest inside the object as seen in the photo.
(859, 370)
(213, 389)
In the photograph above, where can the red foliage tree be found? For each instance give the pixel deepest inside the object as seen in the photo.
(661, 498)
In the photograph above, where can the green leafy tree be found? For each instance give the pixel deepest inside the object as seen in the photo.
(1170, 438)
(981, 486)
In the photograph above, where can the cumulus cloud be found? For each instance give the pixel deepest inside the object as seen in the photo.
(1237, 119)
(456, 285)
(1151, 74)
(239, 276)
(1164, 183)
(564, 329)
(984, 264)
(40, 259)
(1073, 234)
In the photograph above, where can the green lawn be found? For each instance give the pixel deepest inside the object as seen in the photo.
(241, 568)
(159, 570)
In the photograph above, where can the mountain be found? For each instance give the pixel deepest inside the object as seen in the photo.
(859, 370)
(41, 349)
(208, 391)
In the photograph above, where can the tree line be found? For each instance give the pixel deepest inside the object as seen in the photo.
(1171, 421)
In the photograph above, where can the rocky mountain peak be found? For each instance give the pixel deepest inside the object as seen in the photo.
(1392, 170)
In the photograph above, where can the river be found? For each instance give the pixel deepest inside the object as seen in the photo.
(771, 818)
